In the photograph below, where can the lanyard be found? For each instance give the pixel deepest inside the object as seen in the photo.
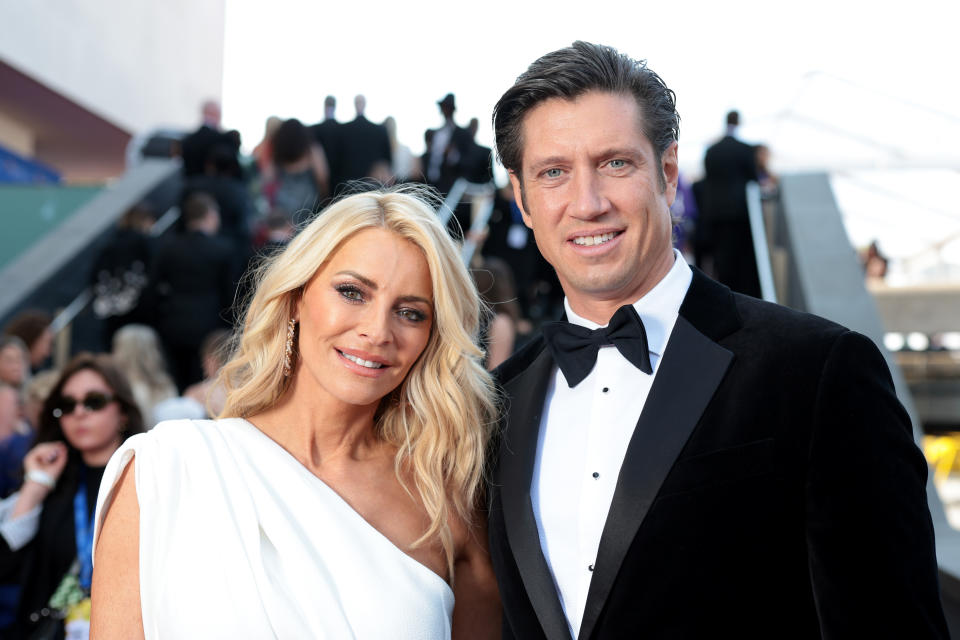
(84, 531)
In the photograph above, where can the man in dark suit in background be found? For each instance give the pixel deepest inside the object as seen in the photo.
(447, 148)
(196, 147)
(327, 134)
(192, 287)
(365, 148)
(729, 165)
(677, 460)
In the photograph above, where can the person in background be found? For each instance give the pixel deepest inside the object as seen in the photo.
(15, 439)
(14, 362)
(768, 180)
(46, 527)
(263, 152)
(337, 495)
(192, 287)
(446, 148)
(327, 134)
(497, 290)
(364, 152)
(121, 272)
(137, 353)
(215, 352)
(196, 147)
(301, 175)
(33, 327)
(405, 166)
(729, 165)
(13, 447)
(35, 394)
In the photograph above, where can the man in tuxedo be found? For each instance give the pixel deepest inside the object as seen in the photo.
(729, 165)
(677, 460)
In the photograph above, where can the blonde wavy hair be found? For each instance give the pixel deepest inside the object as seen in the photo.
(441, 416)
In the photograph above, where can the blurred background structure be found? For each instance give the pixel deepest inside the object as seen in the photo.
(120, 176)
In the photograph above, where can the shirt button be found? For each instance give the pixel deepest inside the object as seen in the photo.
(605, 389)
(596, 475)
(590, 568)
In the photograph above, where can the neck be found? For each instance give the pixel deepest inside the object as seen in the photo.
(99, 457)
(600, 308)
(318, 430)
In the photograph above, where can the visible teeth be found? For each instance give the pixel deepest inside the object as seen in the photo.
(589, 241)
(360, 361)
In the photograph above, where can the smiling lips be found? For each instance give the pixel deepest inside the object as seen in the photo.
(594, 240)
(364, 365)
(369, 364)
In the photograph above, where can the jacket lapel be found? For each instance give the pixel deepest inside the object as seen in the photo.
(517, 452)
(692, 368)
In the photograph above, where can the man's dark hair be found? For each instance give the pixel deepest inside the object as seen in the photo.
(196, 206)
(733, 118)
(569, 73)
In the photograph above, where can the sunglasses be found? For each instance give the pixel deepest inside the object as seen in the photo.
(93, 401)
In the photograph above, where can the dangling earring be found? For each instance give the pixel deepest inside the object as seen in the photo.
(288, 351)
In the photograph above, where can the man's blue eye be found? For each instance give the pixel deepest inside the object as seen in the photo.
(553, 173)
(617, 164)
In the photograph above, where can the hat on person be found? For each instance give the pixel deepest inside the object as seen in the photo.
(448, 100)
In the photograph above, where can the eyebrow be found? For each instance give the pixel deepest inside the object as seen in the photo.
(373, 285)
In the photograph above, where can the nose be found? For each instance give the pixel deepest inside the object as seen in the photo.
(589, 201)
(375, 325)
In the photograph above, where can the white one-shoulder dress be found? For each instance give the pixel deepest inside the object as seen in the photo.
(239, 540)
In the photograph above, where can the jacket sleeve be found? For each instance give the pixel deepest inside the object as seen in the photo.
(870, 540)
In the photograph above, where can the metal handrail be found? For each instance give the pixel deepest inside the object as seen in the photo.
(459, 189)
(761, 248)
(471, 242)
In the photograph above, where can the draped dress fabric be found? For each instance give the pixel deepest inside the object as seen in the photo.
(239, 540)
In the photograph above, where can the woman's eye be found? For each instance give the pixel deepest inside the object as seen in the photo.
(350, 293)
(412, 315)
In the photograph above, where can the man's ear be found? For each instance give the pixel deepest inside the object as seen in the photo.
(671, 172)
(518, 195)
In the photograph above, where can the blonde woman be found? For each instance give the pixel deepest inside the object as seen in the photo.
(336, 496)
(136, 350)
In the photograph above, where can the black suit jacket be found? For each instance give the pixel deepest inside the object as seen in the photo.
(192, 287)
(728, 166)
(327, 134)
(363, 144)
(772, 489)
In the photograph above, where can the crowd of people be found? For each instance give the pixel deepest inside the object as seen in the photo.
(391, 433)
(168, 307)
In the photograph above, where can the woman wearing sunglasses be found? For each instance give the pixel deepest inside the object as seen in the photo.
(46, 529)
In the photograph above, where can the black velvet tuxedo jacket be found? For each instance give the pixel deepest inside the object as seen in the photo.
(772, 489)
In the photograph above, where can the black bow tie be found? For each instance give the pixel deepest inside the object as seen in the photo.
(575, 348)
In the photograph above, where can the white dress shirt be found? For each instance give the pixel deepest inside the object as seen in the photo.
(584, 435)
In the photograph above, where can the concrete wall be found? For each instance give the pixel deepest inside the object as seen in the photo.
(135, 63)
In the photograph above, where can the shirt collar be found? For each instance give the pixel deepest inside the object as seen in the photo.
(658, 309)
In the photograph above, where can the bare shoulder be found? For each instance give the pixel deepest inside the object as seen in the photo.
(477, 611)
(115, 590)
